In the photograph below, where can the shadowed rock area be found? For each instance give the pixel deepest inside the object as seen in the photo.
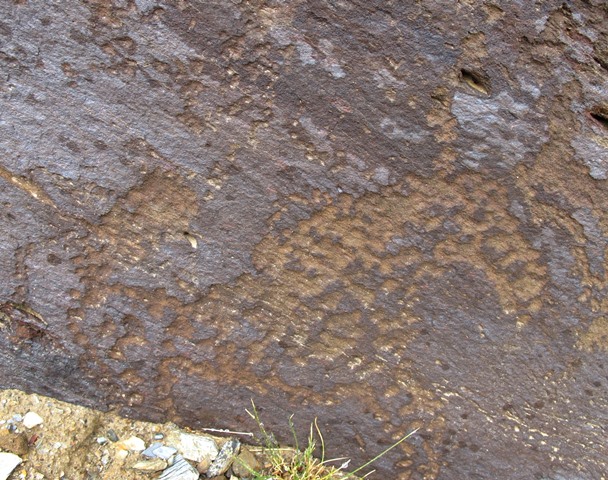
(385, 214)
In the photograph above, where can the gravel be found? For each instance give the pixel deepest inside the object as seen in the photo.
(42, 438)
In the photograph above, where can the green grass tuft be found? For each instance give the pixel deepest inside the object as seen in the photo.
(297, 464)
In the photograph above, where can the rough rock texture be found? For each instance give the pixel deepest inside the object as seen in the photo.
(385, 214)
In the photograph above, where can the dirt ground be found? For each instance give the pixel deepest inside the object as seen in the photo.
(73, 442)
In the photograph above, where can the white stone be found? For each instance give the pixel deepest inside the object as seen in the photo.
(8, 463)
(122, 454)
(193, 447)
(32, 419)
(133, 444)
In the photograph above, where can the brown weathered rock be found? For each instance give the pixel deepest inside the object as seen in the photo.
(13, 442)
(245, 463)
(384, 214)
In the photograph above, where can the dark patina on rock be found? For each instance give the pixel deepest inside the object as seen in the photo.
(388, 215)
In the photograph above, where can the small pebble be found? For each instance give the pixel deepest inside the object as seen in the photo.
(133, 444)
(149, 452)
(32, 419)
(245, 462)
(17, 418)
(122, 454)
(158, 450)
(112, 435)
(153, 465)
(165, 452)
(8, 463)
(203, 465)
(158, 436)
(102, 440)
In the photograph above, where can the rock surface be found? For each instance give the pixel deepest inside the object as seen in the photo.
(386, 215)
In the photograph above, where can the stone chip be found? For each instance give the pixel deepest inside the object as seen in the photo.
(8, 463)
(32, 419)
(180, 470)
